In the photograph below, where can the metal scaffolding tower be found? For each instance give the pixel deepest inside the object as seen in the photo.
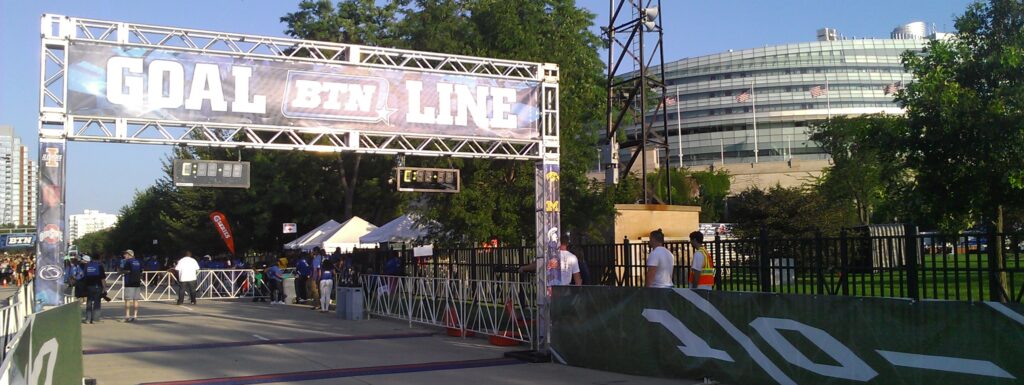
(634, 91)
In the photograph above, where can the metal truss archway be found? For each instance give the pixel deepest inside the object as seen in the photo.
(57, 123)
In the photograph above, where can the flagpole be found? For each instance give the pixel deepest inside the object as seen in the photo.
(721, 148)
(679, 129)
(753, 105)
(828, 99)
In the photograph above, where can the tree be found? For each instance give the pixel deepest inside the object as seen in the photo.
(860, 172)
(497, 196)
(965, 112)
(353, 22)
(714, 188)
(95, 243)
(784, 213)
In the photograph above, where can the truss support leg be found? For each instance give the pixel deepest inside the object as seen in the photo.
(50, 227)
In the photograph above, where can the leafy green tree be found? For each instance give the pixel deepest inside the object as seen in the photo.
(95, 243)
(861, 174)
(785, 213)
(965, 142)
(497, 197)
(681, 186)
(713, 187)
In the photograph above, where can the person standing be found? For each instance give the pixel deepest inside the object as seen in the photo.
(275, 277)
(188, 272)
(302, 271)
(326, 284)
(314, 277)
(131, 268)
(569, 274)
(659, 262)
(702, 270)
(93, 280)
(76, 281)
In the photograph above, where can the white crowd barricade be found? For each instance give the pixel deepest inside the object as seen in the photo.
(210, 284)
(496, 308)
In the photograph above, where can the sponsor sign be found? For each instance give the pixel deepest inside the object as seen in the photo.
(17, 240)
(162, 84)
(289, 228)
(50, 228)
(756, 338)
(221, 223)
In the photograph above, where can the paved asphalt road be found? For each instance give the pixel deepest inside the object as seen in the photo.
(241, 342)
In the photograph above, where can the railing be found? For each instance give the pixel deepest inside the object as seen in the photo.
(210, 284)
(14, 314)
(904, 264)
(496, 308)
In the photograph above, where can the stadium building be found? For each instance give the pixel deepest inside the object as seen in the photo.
(749, 111)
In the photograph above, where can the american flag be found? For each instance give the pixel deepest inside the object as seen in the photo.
(743, 97)
(671, 101)
(817, 91)
(893, 88)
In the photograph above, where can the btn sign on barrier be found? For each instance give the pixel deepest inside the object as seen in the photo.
(419, 179)
(211, 173)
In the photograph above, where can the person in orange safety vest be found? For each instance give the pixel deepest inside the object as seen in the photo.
(702, 270)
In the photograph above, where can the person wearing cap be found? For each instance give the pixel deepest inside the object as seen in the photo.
(93, 280)
(131, 268)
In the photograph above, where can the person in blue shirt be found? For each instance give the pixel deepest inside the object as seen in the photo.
(94, 279)
(302, 271)
(275, 279)
(326, 284)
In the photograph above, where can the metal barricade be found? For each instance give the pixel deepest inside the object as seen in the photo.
(210, 284)
(497, 308)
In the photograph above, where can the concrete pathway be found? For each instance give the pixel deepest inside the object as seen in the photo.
(241, 342)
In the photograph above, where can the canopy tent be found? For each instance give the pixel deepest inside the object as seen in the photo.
(315, 237)
(347, 237)
(332, 235)
(401, 229)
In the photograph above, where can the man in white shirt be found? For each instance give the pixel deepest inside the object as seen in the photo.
(570, 272)
(659, 262)
(188, 272)
(569, 264)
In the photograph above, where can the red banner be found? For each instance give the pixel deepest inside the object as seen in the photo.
(221, 223)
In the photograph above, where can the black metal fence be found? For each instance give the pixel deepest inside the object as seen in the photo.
(903, 264)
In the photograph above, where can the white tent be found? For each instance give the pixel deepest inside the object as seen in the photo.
(347, 235)
(401, 229)
(315, 237)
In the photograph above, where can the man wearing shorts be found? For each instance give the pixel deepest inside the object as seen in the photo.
(131, 268)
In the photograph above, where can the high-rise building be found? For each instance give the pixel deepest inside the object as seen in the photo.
(754, 107)
(89, 222)
(19, 181)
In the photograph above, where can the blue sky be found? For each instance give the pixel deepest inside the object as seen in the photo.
(106, 176)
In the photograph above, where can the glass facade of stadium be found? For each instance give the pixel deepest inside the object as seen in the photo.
(791, 86)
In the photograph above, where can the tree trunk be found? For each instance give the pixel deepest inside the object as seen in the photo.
(349, 183)
(1000, 285)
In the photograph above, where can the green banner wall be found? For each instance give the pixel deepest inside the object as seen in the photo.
(755, 338)
(49, 350)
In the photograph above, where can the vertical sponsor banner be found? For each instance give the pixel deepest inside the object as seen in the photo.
(221, 223)
(50, 223)
(548, 231)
